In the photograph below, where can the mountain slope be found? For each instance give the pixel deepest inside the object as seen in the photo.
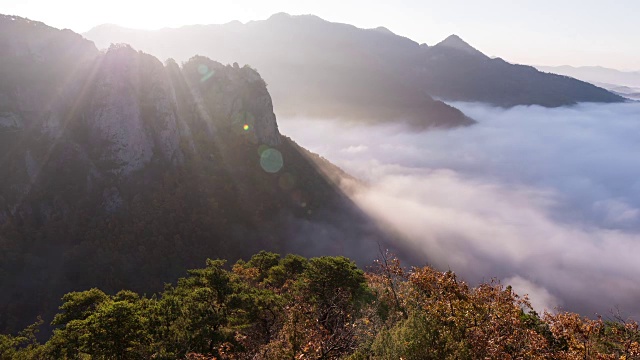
(329, 69)
(122, 172)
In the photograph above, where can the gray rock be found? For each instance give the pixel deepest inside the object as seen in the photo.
(116, 124)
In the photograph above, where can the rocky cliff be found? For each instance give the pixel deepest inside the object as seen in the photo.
(54, 81)
(111, 113)
(120, 171)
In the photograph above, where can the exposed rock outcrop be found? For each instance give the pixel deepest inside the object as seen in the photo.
(115, 117)
(124, 100)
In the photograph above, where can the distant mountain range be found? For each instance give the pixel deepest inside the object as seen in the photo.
(624, 83)
(315, 67)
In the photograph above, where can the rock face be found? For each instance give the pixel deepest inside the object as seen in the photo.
(124, 100)
(115, 118)
(237, 97)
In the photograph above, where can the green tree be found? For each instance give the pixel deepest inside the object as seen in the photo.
(195, 313)
(117, 330)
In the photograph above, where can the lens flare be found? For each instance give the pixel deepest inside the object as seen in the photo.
(207, 76)
(271, 160)
(246, 127)
(203, 69)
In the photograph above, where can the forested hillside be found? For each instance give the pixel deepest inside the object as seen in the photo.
(274, 307)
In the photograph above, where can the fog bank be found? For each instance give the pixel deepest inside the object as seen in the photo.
(548, 200)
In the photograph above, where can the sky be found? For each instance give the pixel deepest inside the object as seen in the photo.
(536, 32)
(546, 200)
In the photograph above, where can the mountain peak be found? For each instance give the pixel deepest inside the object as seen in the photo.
(234, 23)
(384, 30)
(280, 15)
(283, 17)
(455, 42)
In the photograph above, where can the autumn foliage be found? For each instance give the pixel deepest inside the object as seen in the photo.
(274, 307)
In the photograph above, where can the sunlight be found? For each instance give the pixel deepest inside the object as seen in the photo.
(345, 134)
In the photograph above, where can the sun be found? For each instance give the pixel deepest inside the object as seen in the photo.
(136, 14)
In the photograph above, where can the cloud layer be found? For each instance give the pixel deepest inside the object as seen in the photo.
(548, 200)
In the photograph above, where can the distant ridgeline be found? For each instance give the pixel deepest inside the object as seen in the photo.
(121, 172)
(320, 68)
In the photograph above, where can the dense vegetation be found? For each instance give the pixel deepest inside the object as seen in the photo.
(272, 307)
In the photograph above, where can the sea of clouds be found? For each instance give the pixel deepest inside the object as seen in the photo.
(546, 200)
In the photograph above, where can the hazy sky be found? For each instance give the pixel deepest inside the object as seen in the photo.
(542, 32)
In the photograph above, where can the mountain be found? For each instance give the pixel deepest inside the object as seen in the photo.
(313, 67)
(330, 69)
(460, 72)
(120, 171)
(456, 43)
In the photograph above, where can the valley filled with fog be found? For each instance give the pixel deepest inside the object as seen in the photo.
(547, 200)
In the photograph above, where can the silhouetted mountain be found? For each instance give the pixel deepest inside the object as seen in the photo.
(330, 69)
(455, 42)
(116, 165)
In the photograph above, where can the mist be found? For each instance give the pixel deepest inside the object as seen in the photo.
(546, 200)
